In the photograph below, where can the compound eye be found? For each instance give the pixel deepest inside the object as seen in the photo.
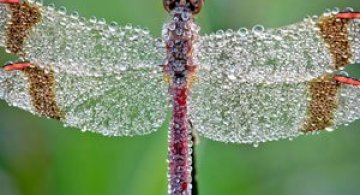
(196, 5)
(169, 5)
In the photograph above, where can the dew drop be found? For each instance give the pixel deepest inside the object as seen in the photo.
(329, 129)
(348, 9)
(343, 73)
(51, 7)
(102, 21)
(128, 27)
(257, 29)
(185, 16)
(62, 10)
(179, 31)
(172, 26)
(243, 32)
(308, 18)
(113, 26)
(146, 31)
(219, 32)
(329, 69)
(39, 2)
(341, 68)
(9, 62)
(74, 15)
(232, 77)
(335, 10)
(327, 13)
(229, 32)
(93, 19)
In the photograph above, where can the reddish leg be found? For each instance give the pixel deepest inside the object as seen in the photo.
(347, 80)
(16, 66)
(348, 15)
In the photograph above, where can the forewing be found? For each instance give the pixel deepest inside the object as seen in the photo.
(86, 73)
(75, 45)
(267, 85)
(294, 53)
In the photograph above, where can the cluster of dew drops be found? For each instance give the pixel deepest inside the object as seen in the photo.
(110, 52)
(349, 100)
(242, 32)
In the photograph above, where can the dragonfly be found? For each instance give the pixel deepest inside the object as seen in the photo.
(245, 86)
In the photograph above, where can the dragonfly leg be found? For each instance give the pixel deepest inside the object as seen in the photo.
(348, 15)
(10, 1)
(347, 80)
(16, 66)
(195, 136)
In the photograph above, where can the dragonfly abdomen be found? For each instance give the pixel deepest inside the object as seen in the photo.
(180, 34)
(179, 144)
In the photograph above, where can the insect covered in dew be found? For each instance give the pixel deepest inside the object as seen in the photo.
(245, 86)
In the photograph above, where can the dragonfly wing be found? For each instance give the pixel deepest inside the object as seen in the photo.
(232, 111)
(267, 85)
(294, 53)
(134, 103)
(72, 44)
(90, 75)
(354, 39)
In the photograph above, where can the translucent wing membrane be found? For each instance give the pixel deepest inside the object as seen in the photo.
(270, 84)
(294, 53)
(97, 77)
(129, 104)
(133, 104)
(72, 44)
(348, 105)
(239, 112)
(354, 39)
(248, 113)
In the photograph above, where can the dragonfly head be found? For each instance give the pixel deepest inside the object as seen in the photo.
(194, 5)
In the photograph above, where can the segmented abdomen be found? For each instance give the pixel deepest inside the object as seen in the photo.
(180, 34)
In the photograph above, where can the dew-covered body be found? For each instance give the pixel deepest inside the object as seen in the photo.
(234, 86)
(180, 35)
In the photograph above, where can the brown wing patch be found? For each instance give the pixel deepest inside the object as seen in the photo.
(42, 92)
(335, 34)
(322, 104)
(23, 17)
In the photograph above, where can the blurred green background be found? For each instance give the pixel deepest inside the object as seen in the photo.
(41, 157)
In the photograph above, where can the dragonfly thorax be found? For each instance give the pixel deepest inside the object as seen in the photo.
(180, 34)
